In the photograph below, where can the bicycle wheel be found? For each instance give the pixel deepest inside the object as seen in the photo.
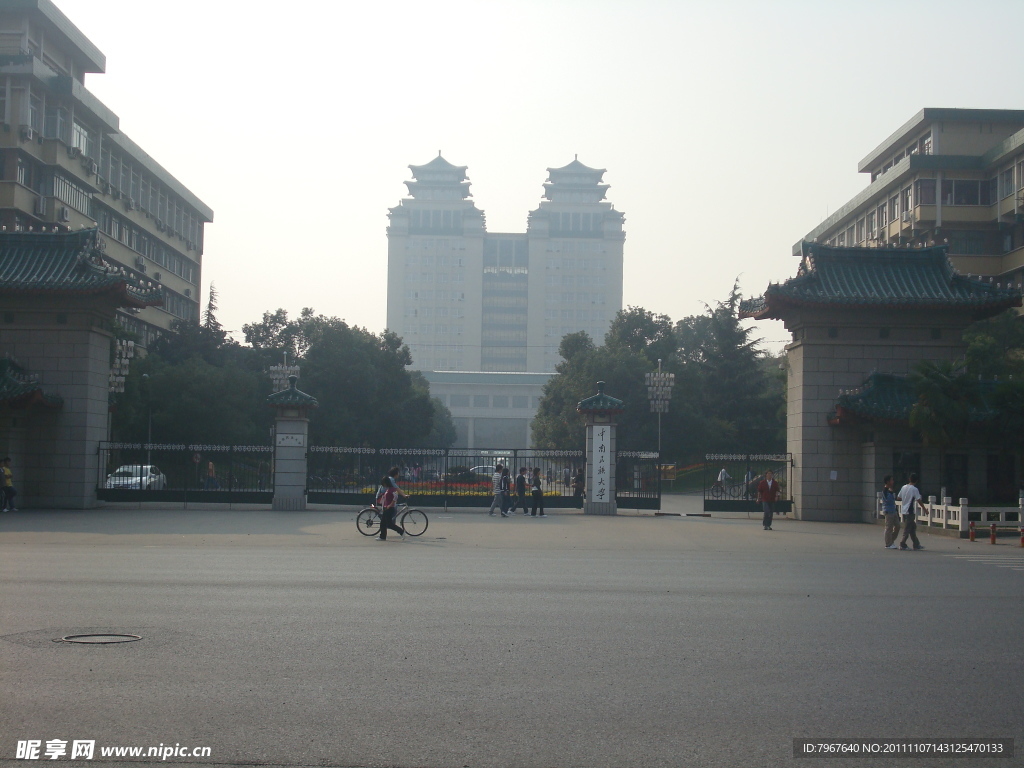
(414, 522)
(716, 491)
(368, 521)
(734, 491)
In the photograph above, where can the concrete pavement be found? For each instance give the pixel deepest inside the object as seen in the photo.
(290, 639)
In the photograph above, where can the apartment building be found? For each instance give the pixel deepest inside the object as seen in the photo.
(64, 164)
(948, 176)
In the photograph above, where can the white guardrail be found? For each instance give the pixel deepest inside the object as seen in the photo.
(957, 517)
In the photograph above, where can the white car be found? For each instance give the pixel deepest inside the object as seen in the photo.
(136, 477)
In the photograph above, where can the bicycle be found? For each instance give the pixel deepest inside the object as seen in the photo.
(413, 521)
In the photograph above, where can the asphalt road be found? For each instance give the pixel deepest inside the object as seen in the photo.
(289, 639)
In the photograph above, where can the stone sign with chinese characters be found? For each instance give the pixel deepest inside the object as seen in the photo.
(600, 411)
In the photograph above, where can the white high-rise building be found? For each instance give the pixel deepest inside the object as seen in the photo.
(468, 300)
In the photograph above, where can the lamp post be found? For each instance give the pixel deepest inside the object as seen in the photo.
(149, 420)
(659, 392)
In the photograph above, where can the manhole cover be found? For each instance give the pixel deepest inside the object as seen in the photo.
(99, 639)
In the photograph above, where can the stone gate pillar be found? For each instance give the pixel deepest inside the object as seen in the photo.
(291, 443)
(600, 411)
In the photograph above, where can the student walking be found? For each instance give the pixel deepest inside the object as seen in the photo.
(505, 487)
(578, 482)
(892, 519)
(538, 493)
(387, 496)
(7, 490)
(768, 494)
(496, 490)
(910, 497)
(520, 500)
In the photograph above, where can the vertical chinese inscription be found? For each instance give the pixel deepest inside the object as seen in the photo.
(600, 490)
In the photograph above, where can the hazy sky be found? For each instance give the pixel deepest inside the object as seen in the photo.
(729, 129)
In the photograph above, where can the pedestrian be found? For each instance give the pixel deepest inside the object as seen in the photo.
(7, 486)
(521, 483)
(496, 490)
(723, 477)
(892, 519)
(211, 477)
(910, 497)
(768, 494)
(505, 486)
(749, 484)
(538, 493)
(578, 482)
(567, 477)
(387, 497)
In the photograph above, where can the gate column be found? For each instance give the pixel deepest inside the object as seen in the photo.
(291, 433)
(600, 410)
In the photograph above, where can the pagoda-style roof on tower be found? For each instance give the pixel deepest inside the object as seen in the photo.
(292, 397)
(69, 263)
(889, 398)
(575, 182)
(438, 180)
(600, 404)
(880, 277)
(21, 390)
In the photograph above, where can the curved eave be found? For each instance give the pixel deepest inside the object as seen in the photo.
(35, 397)
(775, 306)
(601, 411)
(121, 291)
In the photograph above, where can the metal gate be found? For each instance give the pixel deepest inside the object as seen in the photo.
(638, 480)
(460, 477)
(731, 480)
(241, 474)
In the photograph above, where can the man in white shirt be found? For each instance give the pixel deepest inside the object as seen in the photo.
(910, 497)
(498, 498)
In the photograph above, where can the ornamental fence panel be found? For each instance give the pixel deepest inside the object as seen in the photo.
(638, 479)
(455, 477)
(731, 480)
(185, 472)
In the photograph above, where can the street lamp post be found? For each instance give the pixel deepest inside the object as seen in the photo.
(659, 392)
(149, 420)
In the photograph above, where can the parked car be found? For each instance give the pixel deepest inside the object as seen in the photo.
(470, 474)
(137, 477)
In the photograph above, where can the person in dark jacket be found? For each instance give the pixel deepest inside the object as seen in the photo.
(538, 493)
(892, 519)
(520, 499)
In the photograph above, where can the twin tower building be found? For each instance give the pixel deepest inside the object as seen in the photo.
(482, 312)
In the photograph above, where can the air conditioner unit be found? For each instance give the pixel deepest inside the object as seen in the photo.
(74, 152)
(26, 132)
(907, 217)
(160, 225)
(140, 264)
(188, 293)
(64, 214)
(40, 207)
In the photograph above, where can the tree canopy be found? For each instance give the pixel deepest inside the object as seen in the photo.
(728, 395)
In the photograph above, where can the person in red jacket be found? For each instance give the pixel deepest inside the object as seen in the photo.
(768, 494)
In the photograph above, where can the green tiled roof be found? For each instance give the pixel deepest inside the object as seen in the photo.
(292, 397)
(890, 397)
(19, 390)
(600, 403)
(880, 277)
(41, 263)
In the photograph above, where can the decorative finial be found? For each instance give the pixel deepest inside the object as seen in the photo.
(600, 387)
(291, 381)
(439, 153)
(575, 157)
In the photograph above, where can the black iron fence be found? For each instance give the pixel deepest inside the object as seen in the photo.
(638, 480)
(731, 480)
(180, 472)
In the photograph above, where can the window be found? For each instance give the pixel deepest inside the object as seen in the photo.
(1006, 183)
(906, 200)
(894, 207)
(481, 401)
(499, 401)
(925, 191)
(519, 401)
(872, 229)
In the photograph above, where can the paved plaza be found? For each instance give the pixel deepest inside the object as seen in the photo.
(287, 639)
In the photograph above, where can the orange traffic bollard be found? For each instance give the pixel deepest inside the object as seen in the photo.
(972, 530)
(992, 535)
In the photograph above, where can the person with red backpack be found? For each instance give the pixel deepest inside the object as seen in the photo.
(387, 496)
